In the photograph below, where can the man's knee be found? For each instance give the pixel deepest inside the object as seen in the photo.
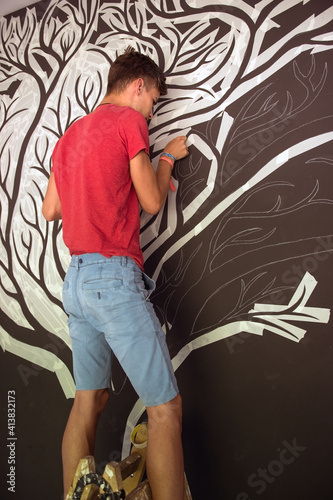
(170, 412)
(91, 401)
(101, 399)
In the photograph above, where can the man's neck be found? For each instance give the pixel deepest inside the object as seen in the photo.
(116, 99)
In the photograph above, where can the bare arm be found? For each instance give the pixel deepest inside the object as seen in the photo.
(51, 209)
(152, 187)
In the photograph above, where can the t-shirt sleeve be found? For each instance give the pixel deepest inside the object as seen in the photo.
(133, 130)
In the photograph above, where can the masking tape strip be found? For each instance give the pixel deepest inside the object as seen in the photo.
(133, 436)
(42, 358)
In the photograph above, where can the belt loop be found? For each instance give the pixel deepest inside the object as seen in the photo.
(124, 261)
(75, 262)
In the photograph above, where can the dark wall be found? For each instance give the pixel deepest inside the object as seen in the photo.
(241, 253)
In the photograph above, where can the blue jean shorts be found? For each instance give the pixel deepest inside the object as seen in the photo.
(107, 301)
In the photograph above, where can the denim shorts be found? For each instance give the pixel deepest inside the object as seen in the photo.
(107, 301)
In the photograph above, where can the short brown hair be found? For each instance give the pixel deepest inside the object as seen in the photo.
(132, 65)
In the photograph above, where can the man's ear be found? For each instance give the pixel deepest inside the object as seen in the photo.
(139, 84)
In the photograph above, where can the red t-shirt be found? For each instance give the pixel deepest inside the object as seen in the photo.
(100, 209)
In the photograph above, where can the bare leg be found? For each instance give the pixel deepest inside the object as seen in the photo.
(79, 435)
(165, 463)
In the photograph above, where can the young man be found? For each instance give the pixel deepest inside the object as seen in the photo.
(101, 170)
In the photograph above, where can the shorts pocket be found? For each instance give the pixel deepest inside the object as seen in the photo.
(149, 283)
(67, 301)
(102, 284)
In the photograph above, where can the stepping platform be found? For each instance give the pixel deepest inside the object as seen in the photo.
(121, 480)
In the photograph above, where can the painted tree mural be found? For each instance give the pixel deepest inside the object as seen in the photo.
(250, 85)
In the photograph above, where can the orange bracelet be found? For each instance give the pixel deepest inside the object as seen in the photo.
(167, 159)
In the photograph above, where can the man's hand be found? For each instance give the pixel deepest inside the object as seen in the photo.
(177, 147)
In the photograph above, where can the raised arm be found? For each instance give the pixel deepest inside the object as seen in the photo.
(152, 187)
(51, 208)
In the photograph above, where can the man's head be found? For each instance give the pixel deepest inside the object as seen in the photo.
(129, 67)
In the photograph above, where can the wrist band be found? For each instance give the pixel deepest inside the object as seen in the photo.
(169, 155)
(165, 158)
(171, 185)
